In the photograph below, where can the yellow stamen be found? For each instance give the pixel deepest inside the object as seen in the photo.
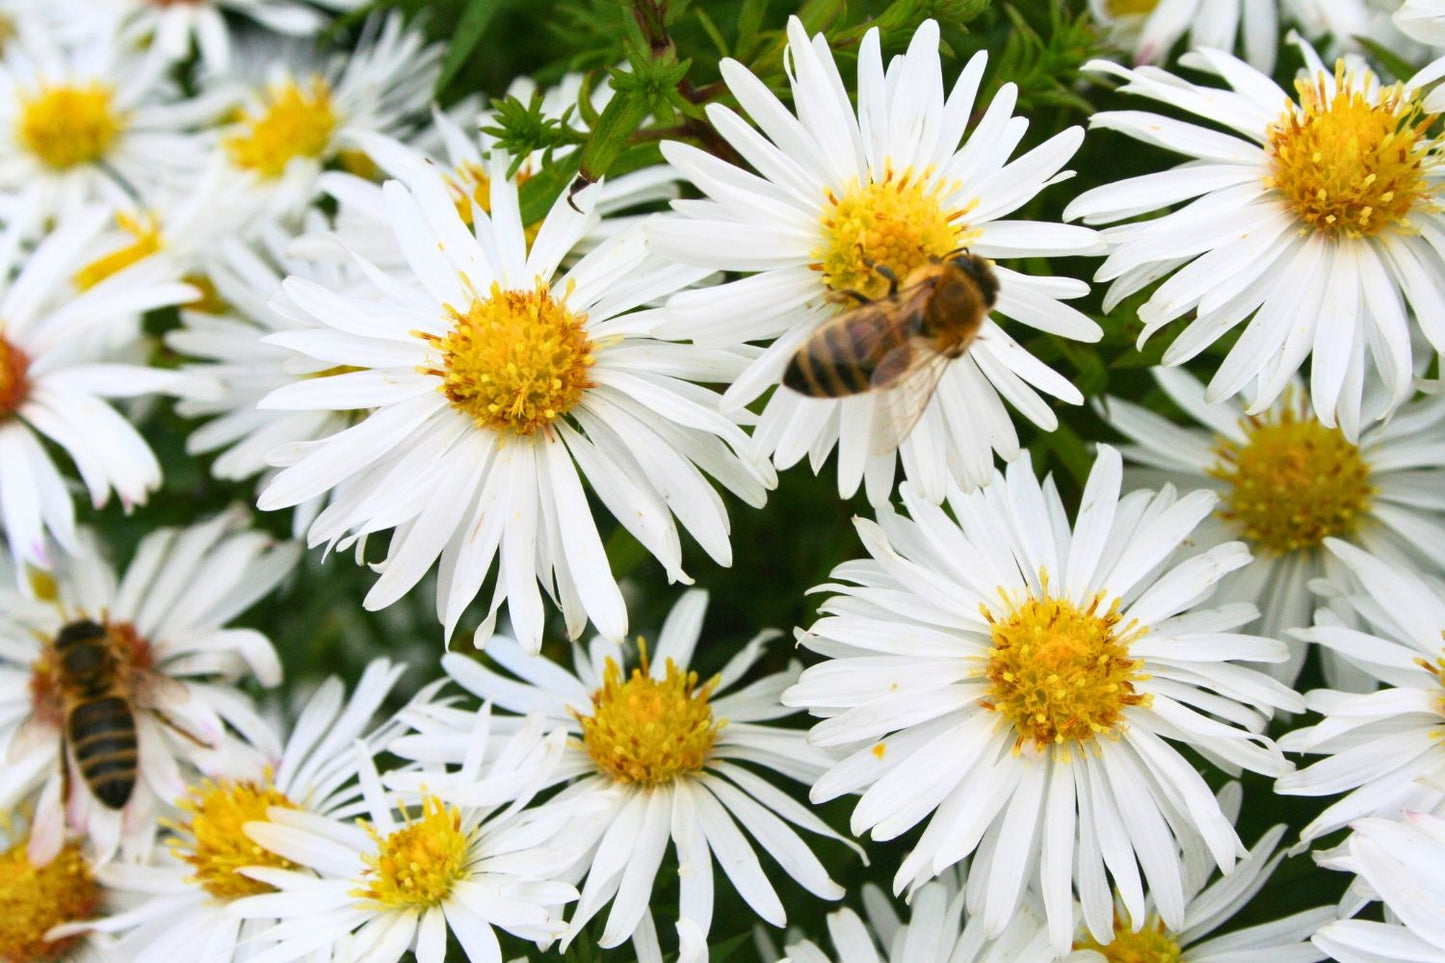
(1152, 943)
(295, 122)
(647, 731)
(145, 232)
(218, 847)
(67, 126)
(515, 361)
(1351, 164)
(418, 864)
(35, 899)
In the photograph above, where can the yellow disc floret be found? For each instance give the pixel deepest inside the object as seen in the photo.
(1292, 483)
(145, 232)
(515, 361)
(1351, 160)
(898, 223)
(69, 125)
(1061, 673)
(14, 384)
(418, 864)
(213, 841)
(295, 122)
(35, 899)
(1151, 943)
(650, 731)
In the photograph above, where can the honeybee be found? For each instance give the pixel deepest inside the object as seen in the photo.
(92, 688)
(899, 345)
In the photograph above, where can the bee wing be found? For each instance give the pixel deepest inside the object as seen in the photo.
(911, 374)
(30, 736)
(161, 691)
(828, 363)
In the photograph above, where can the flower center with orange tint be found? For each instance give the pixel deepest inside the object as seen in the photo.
(1151, 943)
(35, 899)
(13, 383)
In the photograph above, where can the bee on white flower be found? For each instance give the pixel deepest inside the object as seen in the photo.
(1016, 681)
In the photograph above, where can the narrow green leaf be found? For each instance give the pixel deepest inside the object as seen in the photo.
(470, 28)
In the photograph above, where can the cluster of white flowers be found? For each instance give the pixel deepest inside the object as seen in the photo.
(1049, 704)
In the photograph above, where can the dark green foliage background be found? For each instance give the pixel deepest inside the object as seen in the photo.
(317, 621)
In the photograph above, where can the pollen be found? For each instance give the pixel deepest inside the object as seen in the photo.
(898, 223)
(14, 385)
(1354, 161)
(1292, 483)
(145, 233)
(515, 361)
(1061, 673)
(296, 121)
(648, 731)
(1151, 943)
(212, 839)
(35, 899)
(418, 864)
(69, 125)
(1437, 669)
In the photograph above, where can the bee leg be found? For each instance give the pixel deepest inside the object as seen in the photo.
(858, 296)
(886, 272)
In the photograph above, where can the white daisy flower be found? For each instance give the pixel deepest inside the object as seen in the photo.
(374, 888)
(169, 28)
(39, 897)
(1151, 28)
(1349, 22)
(1310, 220)
(839, 193)
(657, 753)
(1051, 665)
(1424, 20)
(1287, 483)
(196, 873)
(164, 630)
(298, 120)
(92, 122)
(1384, 747)
(494, 386)
(938, 930)
(1209, 907)
(1403, 864)
(56, 366)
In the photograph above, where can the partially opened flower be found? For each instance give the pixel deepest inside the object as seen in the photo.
(1016, 682)
(661, 758)
(494, 382)
(1287, 483)
(170, 657)
(1384, 749)
(1307, 220)
(1402, 863)
(841, 200)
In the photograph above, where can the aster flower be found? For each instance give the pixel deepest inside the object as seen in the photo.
(1052, 665)
(1424, 20)
(164, 625)
(93, 121)
(656, 753)
(38, 897)
(1151, 28)
(838, 192)
(1209, 907)
(1403, 864)
(1384, 747)
(494, 385)
(416, 869)
(1309, 220)
(938, 930)
(184, 891)
(302, 116)
(1347, 22)
(1287, 483)
(169, 28)
(56, 367)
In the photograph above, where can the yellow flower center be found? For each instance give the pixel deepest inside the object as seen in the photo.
(1151, 944)
(218, 846)
(1058, 672)
(1130, 8)
(418, 864)
(66, 126)
(295, 122)
(648, 731)
(470, 183)
(1350, 164)
(13, 383)
(1293, 483)
(515, 361)
(898, 223)
(145, 232)
(33, 899)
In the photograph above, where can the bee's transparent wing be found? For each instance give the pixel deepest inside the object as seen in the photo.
(31, 735)
(898, 406)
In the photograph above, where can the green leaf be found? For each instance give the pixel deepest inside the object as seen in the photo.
(470, 29)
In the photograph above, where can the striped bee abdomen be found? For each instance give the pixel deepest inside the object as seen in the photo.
(103, 739)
